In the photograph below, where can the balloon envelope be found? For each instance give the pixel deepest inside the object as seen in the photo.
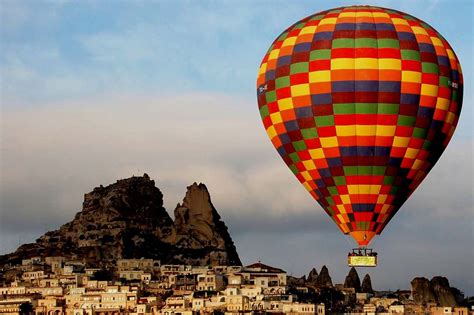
(360, 102)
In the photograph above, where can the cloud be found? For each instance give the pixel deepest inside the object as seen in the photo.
(87, 102)
(54, 153)
(207, 138)
(179, 140)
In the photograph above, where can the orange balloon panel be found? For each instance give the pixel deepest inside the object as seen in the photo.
(360, 102)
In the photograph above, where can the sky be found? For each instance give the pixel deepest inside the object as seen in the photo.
(96, 91)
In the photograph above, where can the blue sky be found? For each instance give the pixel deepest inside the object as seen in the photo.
(100, 90)
(175, 47)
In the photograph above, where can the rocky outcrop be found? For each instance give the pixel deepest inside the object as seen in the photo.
(324, 279)
(443, 291)
(422, 291)
(198, 225)
(313, 276)
(436, 291)
(127, 220)
(366, 286)
(352, 280)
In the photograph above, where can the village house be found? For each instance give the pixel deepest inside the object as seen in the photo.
(272, 280)
(177, 305)
(13, 290)
(49, 306)
(137, 264)
(55, 262)
(46, 291)
(32, 276)
(134, 275)
(210, 281)
(449, 310)
(175, 269)
(11, 306)
(184, 283)
(256, 288)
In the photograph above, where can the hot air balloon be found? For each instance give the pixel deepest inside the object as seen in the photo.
(360, 102)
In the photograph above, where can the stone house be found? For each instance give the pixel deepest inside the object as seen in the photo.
(210, 282)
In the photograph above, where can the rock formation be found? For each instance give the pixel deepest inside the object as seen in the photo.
(324, 279)
(366, 285)
(422, 291)
(313, 276)
(435, 291)
(198, 225)
(352, 280)
(443, 292)
(127, 220)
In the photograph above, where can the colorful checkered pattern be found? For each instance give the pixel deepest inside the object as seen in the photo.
(360, 103)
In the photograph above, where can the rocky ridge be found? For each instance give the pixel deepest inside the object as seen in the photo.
(127, 220)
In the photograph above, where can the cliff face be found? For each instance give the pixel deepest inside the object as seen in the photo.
(127, 220)
(436, 291)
